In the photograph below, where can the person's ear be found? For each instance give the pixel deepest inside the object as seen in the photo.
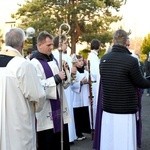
(39, 45)
(23, 43)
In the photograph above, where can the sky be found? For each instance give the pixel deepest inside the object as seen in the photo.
(135, 15)
(7, 7)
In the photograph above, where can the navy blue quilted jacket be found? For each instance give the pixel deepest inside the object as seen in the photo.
(121, 76)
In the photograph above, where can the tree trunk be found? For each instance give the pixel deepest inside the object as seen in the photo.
(73, 44)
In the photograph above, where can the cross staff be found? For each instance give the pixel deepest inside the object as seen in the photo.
(91, 99)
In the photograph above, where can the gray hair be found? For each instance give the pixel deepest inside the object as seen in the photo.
(15, 38)
(120, 37)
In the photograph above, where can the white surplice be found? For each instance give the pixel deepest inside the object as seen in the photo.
(44, 116)
(21, 93)
(81, 103)
(80, 96)
(95, 76)
(65, 57)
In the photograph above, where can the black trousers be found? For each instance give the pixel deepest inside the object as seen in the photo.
(82, 120)
(48, 140)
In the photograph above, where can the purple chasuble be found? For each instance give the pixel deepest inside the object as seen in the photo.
(55, 103)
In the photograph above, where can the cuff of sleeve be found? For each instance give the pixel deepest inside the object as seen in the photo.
(57, 79)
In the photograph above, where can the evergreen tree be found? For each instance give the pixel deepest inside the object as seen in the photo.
(146, 45)
(88, 19)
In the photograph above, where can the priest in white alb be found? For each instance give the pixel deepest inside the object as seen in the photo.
(21, 94)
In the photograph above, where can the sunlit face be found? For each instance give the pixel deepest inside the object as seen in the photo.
(128, 43)
(80, 63)
(46, 46)
(64, 46)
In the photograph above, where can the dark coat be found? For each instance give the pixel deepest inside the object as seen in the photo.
(121, 76)
(147, 67)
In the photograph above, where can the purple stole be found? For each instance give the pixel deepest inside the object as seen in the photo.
(55, 115)
(97, 132)
(139, 122)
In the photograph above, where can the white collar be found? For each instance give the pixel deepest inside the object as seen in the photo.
(94, 51)
(10, 51)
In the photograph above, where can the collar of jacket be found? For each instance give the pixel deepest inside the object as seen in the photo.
(121, 49)
(42, 56)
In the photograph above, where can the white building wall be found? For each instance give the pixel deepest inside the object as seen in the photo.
(8, 7)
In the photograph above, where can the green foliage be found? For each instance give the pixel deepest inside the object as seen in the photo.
(88, 19)
(145, 48)
(143, 57)
(84, 53)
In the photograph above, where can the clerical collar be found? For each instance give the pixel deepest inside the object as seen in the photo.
(42, 56)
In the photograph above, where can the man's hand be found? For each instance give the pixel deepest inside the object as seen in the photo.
(84, 80)
(62, 75)
(65, 65)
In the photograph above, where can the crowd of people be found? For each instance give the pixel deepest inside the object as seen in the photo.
(45, 98)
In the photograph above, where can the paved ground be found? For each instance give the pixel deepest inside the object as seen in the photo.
(87, 143)
(146, 123)
(83, 145)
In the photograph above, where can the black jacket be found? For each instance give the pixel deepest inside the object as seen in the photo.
(120, 76)
(147, 67)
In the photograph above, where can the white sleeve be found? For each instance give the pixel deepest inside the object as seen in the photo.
(76, 86)
(49, 83)
(94, 67)
(30, 85)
